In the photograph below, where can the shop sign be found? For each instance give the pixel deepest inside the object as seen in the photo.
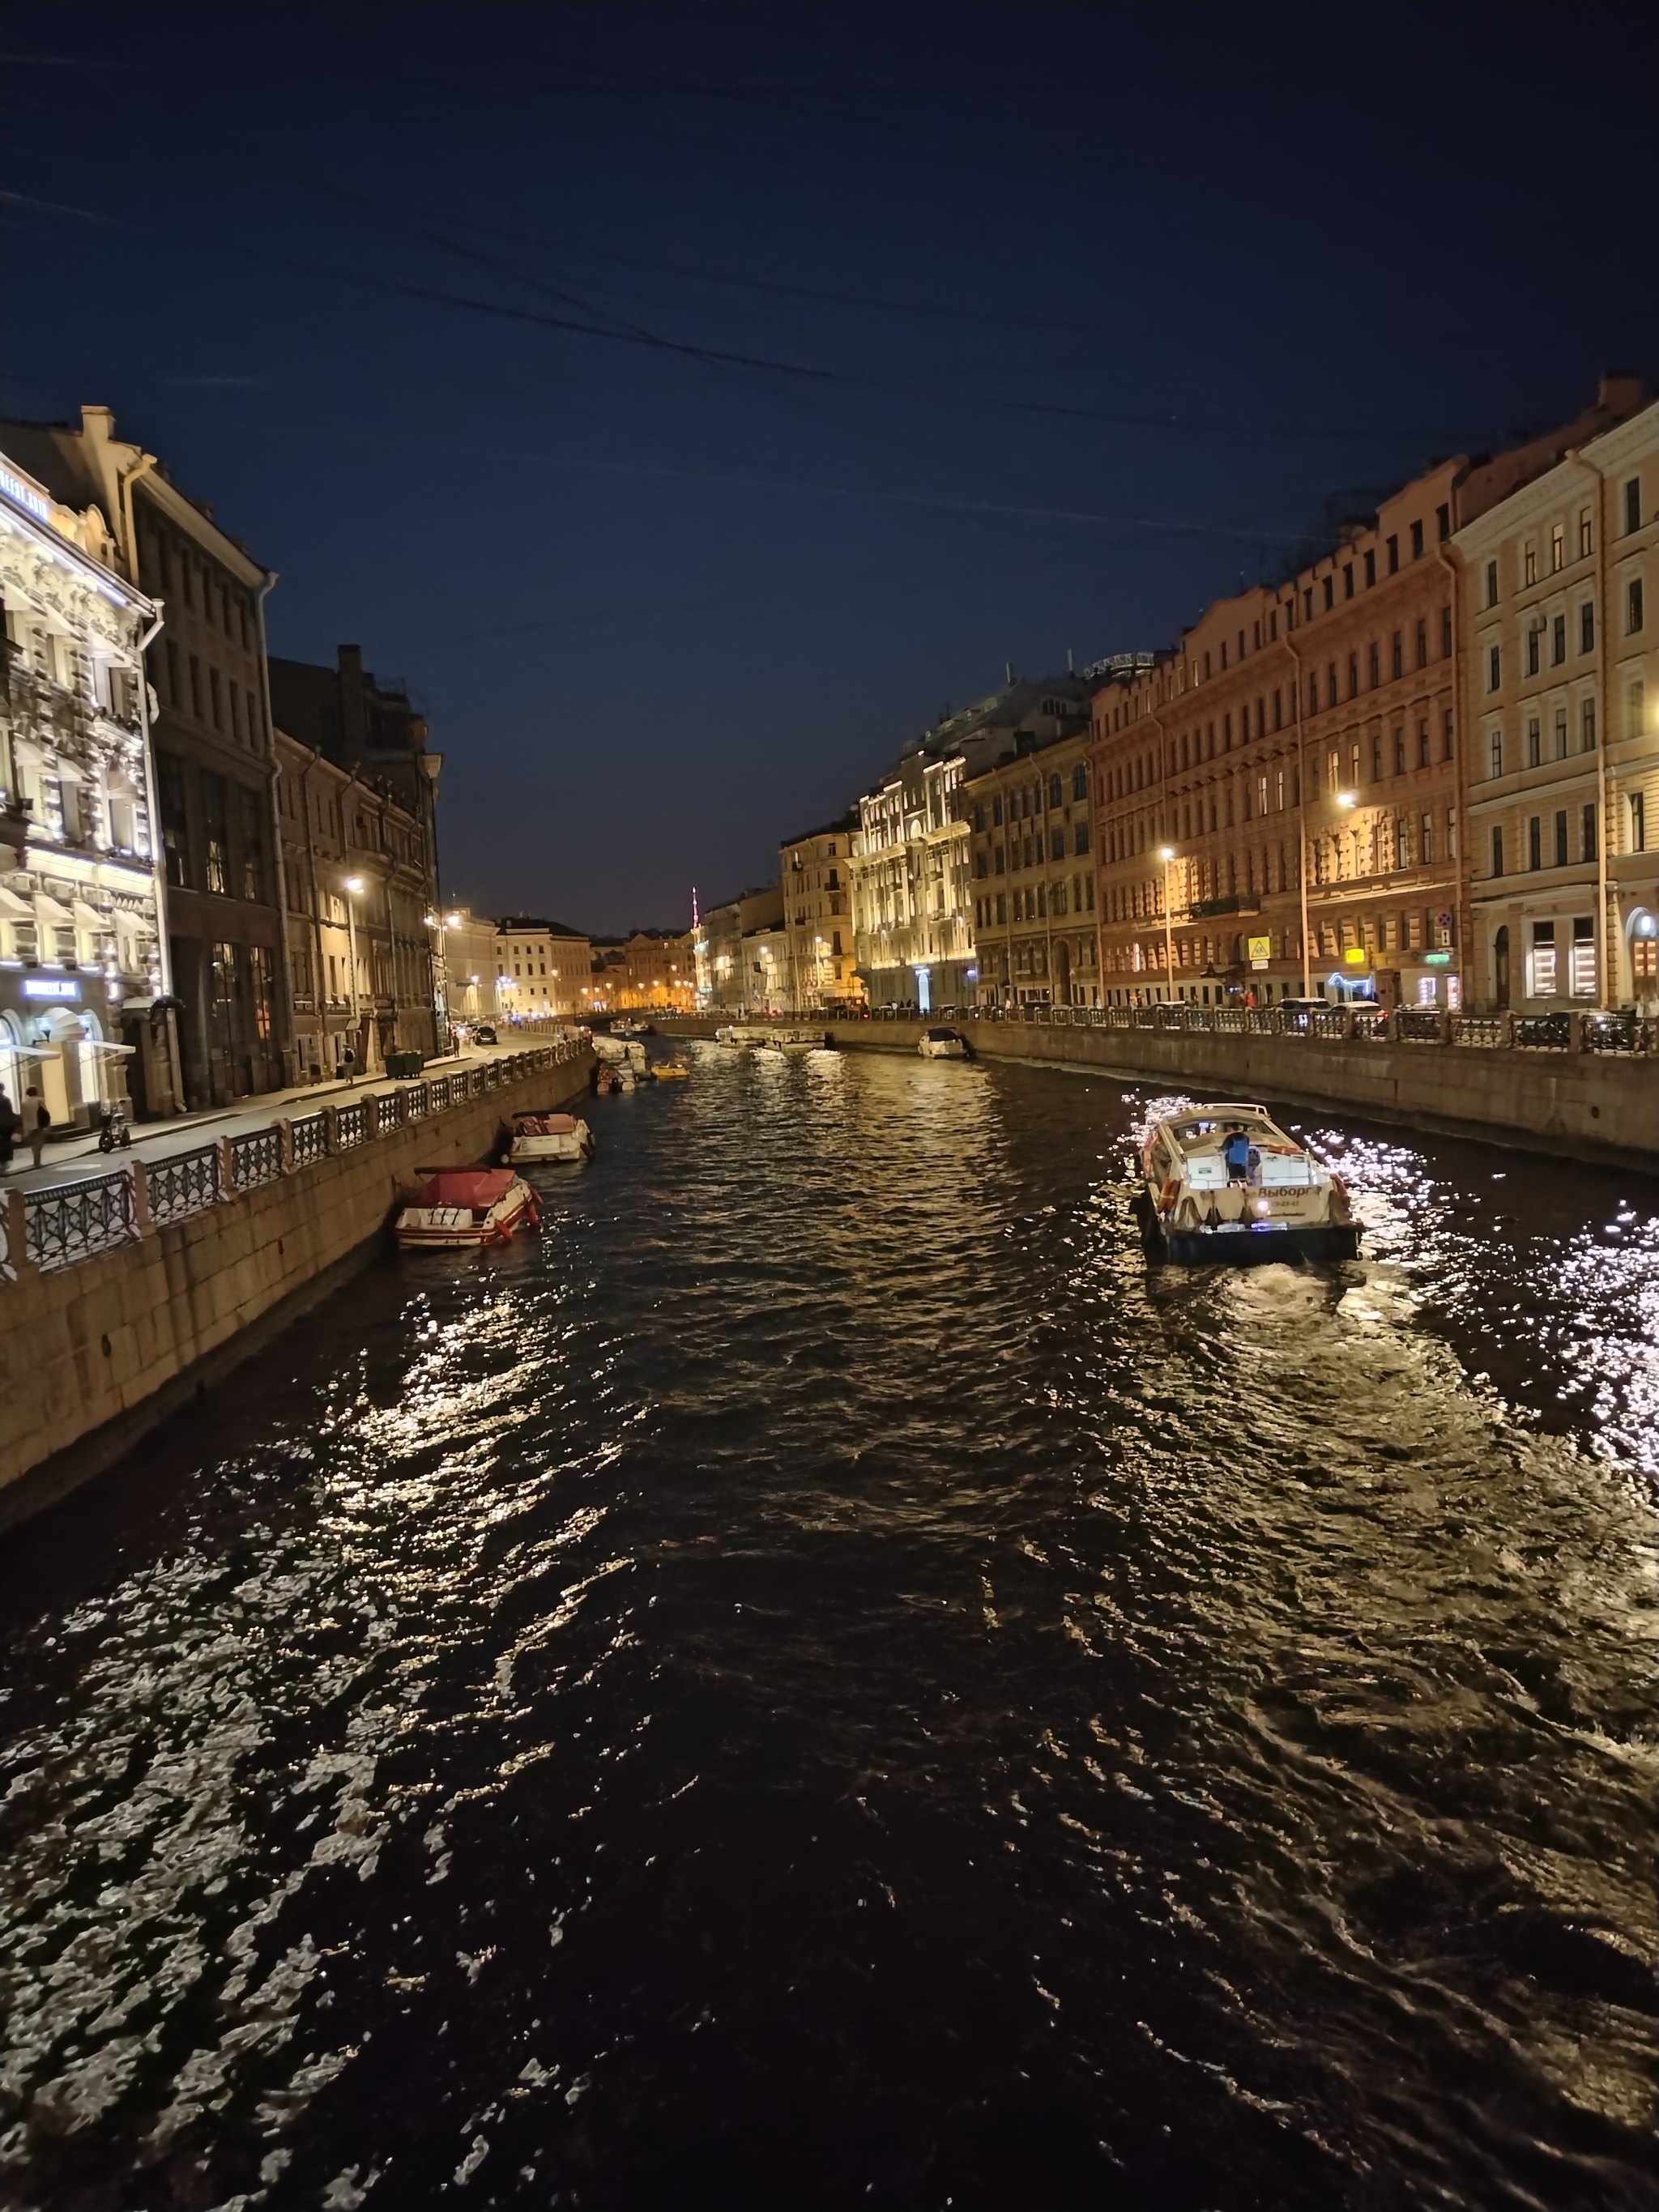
(1355, 955)
(1436, 959)
(51, 987)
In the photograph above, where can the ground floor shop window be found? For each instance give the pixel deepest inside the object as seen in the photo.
(1540, 961)
(1582, 982)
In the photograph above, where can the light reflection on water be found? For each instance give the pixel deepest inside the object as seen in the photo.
(825, 1679)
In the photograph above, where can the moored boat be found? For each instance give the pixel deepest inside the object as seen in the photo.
(1224, 1182)
(460, 1207)
(549, 1137)
(944, 1044)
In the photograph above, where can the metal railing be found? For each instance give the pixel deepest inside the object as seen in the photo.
(307, 1140)
(1417, 1025)
(63, 1223)
(1370, 1026)
(182, 1184)
(1486, 1029)
(1547, 1032)
(1623, 1032)
(71, 1221)
(255, 1159)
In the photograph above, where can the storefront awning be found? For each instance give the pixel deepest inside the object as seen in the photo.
(99, 1044)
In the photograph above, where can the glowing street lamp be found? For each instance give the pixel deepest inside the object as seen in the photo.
(353, 890)
(1166, 854)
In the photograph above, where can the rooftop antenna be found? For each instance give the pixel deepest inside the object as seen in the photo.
(1071, 669)
(1007, 671)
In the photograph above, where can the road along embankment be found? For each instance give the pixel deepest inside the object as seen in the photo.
(1570, 1099)
(123, 1294)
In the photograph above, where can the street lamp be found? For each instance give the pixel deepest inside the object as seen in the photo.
(1166, 854)
(354, 886)
(1339, 799)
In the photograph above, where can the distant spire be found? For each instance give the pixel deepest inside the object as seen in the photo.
(695, 917)
(1007, 671)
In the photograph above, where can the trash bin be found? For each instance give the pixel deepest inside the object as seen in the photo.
(403, 1065)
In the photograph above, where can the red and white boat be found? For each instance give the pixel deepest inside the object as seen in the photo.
(458, 1207)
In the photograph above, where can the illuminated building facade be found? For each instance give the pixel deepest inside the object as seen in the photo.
(84, 1014)
(542, 968)
(1033, 872)
(1561, 684)
(817, 971)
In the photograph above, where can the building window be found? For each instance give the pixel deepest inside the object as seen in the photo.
(1586, 627)
(1393, 557)
(1079, 781)
(1632, 606)
(1561, 838)
(1399, 752)
(1529, 565)
(1586, 533)
(1348, 579)
(1560, 733)
(1638, 822)
(1534, 741)
(1374, 670)
(215, 694)
(1587, 727)
(1581, 979)
(1492, 583)
(217, 867)
(1636, 708)
(251, 840)
(1370, 567)
(1416, 540)
(1498, 852)
(1397, 653)
(1330, 601)
(1447, 740)
(1081, 836)
(996, 811)
(1426, 838)
(170, 777)
(1558, 547)
(1587, 843)
(196, 687)
(1494, 668)
(1558, 641)
(1633, 505)
(1497, 752)
(1422, 744)
(1535, 840)
(1533, 648)
(1540, 961)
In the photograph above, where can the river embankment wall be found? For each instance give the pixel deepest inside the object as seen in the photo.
(1574, 1104)
(112, 1316)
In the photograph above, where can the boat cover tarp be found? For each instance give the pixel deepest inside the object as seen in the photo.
(479, 1187)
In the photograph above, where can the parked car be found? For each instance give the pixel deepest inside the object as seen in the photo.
(483, 1033)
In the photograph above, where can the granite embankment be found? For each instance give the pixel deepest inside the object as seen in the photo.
(1468, 1079)
(124, 1293)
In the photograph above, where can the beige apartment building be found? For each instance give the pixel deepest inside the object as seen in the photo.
(1560, 687)
(912, 881)
(1034, 876)
(817, 971)
(542, 968)
(360, 937)
(469, 963)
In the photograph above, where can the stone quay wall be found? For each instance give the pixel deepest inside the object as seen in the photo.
(123, 1294)
(1568, 1085)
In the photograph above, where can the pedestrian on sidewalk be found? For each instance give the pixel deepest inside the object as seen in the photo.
(9, 1126)
(36, 1122)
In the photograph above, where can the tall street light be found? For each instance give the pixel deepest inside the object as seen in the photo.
(353, 888)
(1166, 854)
(1340, 798)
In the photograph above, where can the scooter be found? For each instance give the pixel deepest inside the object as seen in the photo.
(114, 1129)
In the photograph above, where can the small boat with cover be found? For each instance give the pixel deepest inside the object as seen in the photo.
(460, 1207)
(549, 1137)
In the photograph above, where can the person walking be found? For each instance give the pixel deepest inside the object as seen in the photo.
(9, 1126)
(36, 1122)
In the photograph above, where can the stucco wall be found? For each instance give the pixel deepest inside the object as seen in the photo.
(94, 1354)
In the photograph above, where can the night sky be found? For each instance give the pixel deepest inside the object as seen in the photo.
(690, 403)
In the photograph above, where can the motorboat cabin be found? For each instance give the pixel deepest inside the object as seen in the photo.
(944, 1044)
(1224, 1182)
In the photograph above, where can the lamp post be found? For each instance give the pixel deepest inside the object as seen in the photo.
(1166, 854)
(1345, 798)
(353, 887)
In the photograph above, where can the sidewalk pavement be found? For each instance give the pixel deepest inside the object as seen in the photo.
(74, 1159)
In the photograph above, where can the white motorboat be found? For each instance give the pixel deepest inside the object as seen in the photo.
(619, 1051)
(460, 1207)
(740, 1035)
(549, 1137)
(1224, 1182)
(944, 1044)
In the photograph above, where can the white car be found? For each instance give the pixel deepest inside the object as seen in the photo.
(944, 1044)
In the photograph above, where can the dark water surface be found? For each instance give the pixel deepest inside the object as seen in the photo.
(823, 1681)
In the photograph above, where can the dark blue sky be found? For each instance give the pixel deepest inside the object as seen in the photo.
(665, 607)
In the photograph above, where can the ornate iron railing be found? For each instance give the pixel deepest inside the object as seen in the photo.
(1328, 1021)
(350, 1126)
(1370, 1025)
(1417, 1025)
(437, 1092)
(1623, 1032)
(307, 1140)
(182, 1184)
(1476, 1028)
(255, 1159)
(70, 1221)
(1544, 1032)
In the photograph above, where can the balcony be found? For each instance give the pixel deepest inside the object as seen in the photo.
(1234, 903)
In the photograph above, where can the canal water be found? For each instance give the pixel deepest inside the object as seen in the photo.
(825, 1681)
